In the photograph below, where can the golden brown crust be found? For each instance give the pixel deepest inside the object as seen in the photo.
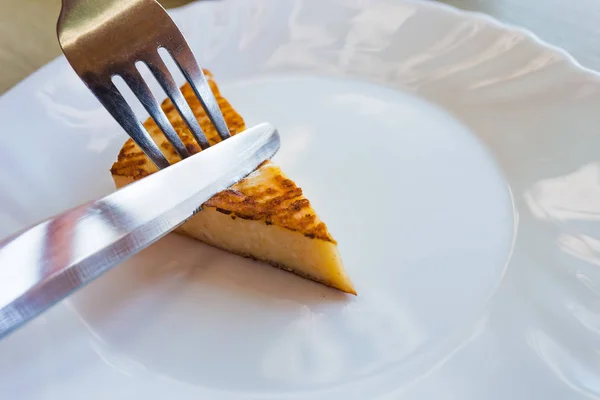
(132, 162)
(266, 195)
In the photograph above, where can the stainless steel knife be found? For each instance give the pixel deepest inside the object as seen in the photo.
(45, 263)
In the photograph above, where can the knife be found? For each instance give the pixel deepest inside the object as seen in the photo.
(43, 264)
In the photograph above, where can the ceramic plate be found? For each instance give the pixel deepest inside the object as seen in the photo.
(454, 159)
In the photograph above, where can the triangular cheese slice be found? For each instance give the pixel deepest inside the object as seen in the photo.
(265, 216)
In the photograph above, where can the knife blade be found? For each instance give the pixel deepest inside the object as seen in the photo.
(43, 264)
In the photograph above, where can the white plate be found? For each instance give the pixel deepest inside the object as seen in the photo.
(455, 160)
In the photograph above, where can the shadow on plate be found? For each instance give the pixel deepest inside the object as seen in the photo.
(177, 265)
(186, 311)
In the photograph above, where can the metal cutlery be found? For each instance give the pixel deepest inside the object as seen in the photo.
(102, 39)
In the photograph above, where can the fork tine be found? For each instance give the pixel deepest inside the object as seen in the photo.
(185, 60)
(110, 97)
(164, 77)
(140, 88)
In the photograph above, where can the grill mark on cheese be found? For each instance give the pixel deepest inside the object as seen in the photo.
(266, 195)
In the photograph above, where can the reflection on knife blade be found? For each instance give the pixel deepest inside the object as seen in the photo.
(45, 263)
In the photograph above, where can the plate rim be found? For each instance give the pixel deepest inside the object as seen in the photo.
(574, 65)
(473, 15)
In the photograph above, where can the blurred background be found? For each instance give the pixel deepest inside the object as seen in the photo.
(28, 39)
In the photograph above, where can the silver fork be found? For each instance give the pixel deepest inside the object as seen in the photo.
(102, 39)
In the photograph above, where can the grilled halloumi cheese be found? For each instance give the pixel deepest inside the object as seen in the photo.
(265, 216)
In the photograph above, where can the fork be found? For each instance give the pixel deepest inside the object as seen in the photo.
(103, 39)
